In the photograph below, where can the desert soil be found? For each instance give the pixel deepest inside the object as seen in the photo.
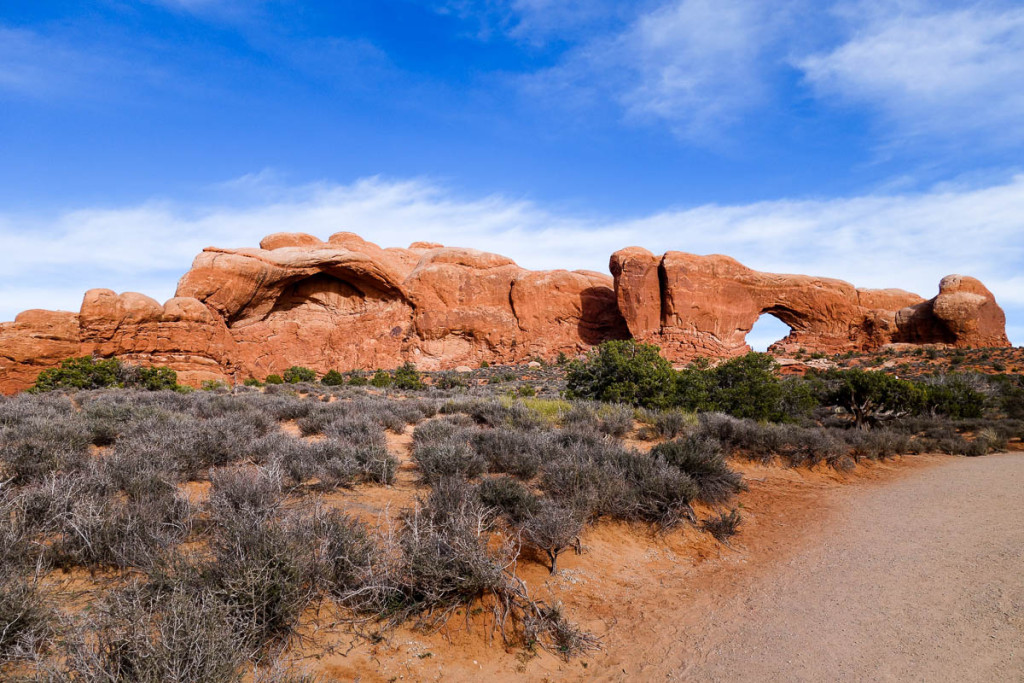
(916, 579)
(912, 569)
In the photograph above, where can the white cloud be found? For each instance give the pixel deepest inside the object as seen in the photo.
(695, 65)
(933, 72)
(907, 241)
(36, 65)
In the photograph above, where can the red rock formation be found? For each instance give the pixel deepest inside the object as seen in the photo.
(705, 306)
(347, 303)
(341, 304)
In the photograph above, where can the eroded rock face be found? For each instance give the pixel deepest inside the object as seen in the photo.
(341, 304)
(346, 303)
(705, 305)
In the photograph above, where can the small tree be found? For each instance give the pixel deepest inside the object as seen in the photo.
(622, 372)
(871, 396)
(552, 529)
(748, 387)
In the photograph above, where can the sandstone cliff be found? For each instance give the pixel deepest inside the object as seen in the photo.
(347, 303)
(705, 306)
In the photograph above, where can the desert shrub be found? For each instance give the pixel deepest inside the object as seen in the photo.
(93, 528)
(264, 573)
(655, 492)
(447, 458)
(252, 382)
(994, 438)
(195, 444)
(26, 621)
(51, 441)
(447, 565)
(251, 492)
(578, 480)
(723, 526)
(330, 461)
(622, 372)
(356, 430)
(347, 552)
(375, 463)
(672, 423)
(508, 414)
(107, 419)
(139, 634)
(878, 444)
(274, 379)
(447, 381)
(509, 497)
(333, 378)
(700, 456)
(615, 420)
(510, 451)
(552, 528)
(214, 385)
(811, 446)
(142, 474)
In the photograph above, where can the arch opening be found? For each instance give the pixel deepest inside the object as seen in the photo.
(768, 330)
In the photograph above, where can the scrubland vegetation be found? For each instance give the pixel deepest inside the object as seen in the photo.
(99, 484)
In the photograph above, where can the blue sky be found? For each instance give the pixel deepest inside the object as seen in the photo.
(879, 141)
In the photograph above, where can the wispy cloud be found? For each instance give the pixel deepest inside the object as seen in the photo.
(935, 72)
(907, 241)
(36, 65)
(694, 65)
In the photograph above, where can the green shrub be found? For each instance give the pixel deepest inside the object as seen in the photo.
(954, 397)
(450, 380)
(252, 382)
(297, 373)
(526, 391)
(89, 372)
(748, 387)
(333, 378)
(622, 372)
(357, 379)
(274, 379)
(381, 379)
(408, 378)
(154, 379)
(86, 372)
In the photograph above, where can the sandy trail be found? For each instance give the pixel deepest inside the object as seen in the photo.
(920, 578)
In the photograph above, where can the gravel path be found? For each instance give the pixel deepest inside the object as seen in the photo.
(917, 579)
